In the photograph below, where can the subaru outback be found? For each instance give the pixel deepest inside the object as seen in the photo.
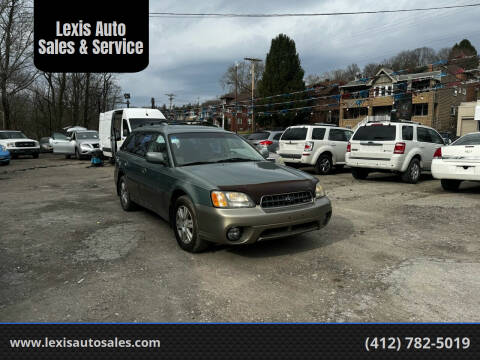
(214, 187)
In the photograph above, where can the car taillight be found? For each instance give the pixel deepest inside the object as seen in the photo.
(399, 148)
(266, 142)
(308, 146)
(438, 153)
(349, 147)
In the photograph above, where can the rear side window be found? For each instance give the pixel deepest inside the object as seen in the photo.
(407, 132)
(318, 133)
(277, 137)
(259, 136)
(470, 139)
(338, 135)
(437, 139)
(295, 134)
(375, 133)
(423, 135)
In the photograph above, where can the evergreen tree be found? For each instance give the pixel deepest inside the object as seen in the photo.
(283, 74)
(462, 49)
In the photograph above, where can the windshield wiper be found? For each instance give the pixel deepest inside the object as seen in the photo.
(198, 163)
(235, 160)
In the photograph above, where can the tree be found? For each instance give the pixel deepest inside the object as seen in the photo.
(242, 75)
(16, 52)
(464, 49)
(283, 73)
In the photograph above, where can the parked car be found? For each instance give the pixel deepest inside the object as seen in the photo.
(45, 145)
(4, 155)
(213, 186)
(322, 146)
(403, 147)
(18, 144)
(265, 139)
(458, 162)
(80, 143)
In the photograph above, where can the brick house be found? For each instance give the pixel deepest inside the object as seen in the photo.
(430, 104)
(237, 118)
(326, 110)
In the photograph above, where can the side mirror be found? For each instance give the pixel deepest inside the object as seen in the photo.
(265, 153)
(156, 158)
(69, 138)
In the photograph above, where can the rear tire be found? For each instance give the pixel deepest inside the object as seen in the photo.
(359, 173)
(125, 201)
(450, 185)
(324, 165)
(185, 226)
(412, 175)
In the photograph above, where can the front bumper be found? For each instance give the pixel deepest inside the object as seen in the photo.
(258, 224)
(24, 151)
(87, 151)
(4, 157)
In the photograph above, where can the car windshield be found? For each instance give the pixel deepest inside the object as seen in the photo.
(135, 123)
(206, 148)
(295, 134)
(87, 135)
(258, 136)
(12, 135)
(469, 139)
(375, 133)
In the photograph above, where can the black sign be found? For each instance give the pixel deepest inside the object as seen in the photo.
(91, 36)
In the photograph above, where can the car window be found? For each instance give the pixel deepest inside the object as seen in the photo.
(437, 139)
(277, 136)
(142, 141)
(295, 134)
(375, 133)
(337, 135)
(83, 135)
(423, 135)
(407, 132)
(125, 130)
(469, 139)
(318, 133)
(59, 136)
(348, 134)
(259, 136)
(159, 145)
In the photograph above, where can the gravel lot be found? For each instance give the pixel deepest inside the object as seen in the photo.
(392, 252)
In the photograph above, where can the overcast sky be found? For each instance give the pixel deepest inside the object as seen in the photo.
(189, 55)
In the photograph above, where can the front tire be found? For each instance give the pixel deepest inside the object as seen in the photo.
(412, 175)
(450, 185)
(185, 226)
(359, 173)
(324, 165)
(125, 201)
(35, 156)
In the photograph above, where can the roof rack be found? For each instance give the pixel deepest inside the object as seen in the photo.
(326, 124)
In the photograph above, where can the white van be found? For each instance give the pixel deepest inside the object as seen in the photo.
(116, 125)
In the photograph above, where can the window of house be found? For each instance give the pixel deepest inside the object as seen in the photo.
(420, 109)
(353, 113)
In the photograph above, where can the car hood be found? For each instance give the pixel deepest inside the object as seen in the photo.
(254, 178)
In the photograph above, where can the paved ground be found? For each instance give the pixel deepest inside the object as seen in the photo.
(392, 252)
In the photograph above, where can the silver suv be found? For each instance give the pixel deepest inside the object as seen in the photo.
(320, 145)
(403, 147)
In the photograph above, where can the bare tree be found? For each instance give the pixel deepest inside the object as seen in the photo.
(16, 53)
(242, 75)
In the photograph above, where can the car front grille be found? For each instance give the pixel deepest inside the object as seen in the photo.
(281, 200)
(96, 146)
(25, 144)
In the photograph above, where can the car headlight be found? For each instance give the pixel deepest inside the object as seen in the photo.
(2, 148)
(229, 199)
(86, 146)
(11, 144)
(319, 192)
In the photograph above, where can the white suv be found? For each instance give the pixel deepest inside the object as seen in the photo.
(320, 145)
(402, 147)
(18, 144)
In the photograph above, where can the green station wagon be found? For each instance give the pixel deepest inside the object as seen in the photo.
(213, 186)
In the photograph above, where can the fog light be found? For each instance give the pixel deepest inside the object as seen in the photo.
(234, 234)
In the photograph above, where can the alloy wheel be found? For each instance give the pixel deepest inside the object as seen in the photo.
(124, 193)
(325, 165)
(184, 224)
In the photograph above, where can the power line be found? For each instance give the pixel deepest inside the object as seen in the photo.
(237, 15)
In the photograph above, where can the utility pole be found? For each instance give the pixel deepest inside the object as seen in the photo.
(170, 97)
(253, 61)
(236, 96)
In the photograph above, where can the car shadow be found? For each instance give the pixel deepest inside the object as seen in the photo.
(469, 187)
(339, 229)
